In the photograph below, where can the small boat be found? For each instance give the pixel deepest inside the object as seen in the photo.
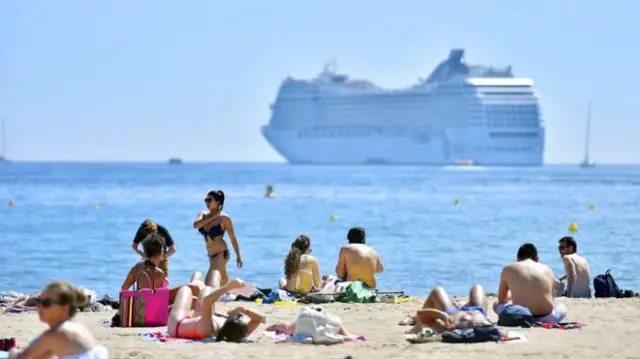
(464, 162)
(175, 161)
(587, 162)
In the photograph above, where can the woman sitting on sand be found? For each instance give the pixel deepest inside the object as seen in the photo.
(440, 313)
(301, 270)
(204, 322)
(65, 339)
(147, 272)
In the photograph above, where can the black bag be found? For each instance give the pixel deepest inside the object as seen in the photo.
(478, 334)
(605, 286)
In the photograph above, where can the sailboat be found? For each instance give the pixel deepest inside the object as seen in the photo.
(3, 158)
(587, 162)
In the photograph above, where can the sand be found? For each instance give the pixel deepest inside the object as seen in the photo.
(612, 330)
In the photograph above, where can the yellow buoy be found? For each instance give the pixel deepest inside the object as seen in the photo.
(11, 203)
(456, 202)
(573, 227)
(592, 207)
(96, 207)
(333, 218)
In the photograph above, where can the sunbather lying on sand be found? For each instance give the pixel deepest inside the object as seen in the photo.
(290, 328)
(65, 339)
(203, 322)
(440, 313)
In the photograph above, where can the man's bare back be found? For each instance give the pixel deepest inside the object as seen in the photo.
(578, 275)
(532, 285)
(359, 262)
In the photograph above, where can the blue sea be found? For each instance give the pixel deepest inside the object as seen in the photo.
(452, 227)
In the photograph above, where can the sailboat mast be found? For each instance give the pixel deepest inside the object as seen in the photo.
(588, 137)
(2, 138)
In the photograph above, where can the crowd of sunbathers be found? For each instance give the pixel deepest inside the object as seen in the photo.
(526, 282)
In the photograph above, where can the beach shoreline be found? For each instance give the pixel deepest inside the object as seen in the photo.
(611, 329)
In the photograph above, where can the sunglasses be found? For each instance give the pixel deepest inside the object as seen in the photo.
(208, 200)
(46, 302)
(562, 247)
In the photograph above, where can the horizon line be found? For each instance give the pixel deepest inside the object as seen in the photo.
(8, 161)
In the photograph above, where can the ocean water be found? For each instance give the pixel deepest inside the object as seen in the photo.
(54, 230)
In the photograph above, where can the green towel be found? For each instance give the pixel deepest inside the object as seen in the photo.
(359, 292)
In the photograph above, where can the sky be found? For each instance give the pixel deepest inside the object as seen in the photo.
(142, 80)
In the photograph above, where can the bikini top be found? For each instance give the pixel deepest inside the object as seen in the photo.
(214, 231)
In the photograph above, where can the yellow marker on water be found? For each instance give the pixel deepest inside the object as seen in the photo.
(456, 202)
(11, 203)
(333, 218)
(573, 227)
(592, 207)
(96, 207)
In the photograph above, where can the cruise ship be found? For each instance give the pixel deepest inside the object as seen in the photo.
(460, 114)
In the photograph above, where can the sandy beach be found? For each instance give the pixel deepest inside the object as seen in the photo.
(612, 329)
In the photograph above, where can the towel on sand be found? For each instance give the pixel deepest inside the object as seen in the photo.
(13, 309)
(163, 337)
(561, 326)
(286, 338)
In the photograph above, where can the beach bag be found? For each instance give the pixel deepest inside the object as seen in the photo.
(144, 307)
(477, 334)
(358, 292)
(605, 286)
(321, 327)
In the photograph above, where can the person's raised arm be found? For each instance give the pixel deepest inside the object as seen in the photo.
(570, 269)
(503, 289)
(168, 241)
(341, 267)
(317, 279)
(209, 300)
(255, 318)
(379, 267)
(140, 234)
(431, 316)
(130, 279)
(202, 220)
(234, 240)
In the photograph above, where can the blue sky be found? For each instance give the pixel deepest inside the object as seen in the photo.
(146, 80)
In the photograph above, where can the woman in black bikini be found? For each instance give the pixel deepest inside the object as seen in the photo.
(212, 225)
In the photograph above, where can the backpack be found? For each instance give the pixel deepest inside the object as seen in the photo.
(605, 286)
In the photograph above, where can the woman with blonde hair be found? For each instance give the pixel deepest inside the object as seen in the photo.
(65, 338)
(301, 269)
(147, 228)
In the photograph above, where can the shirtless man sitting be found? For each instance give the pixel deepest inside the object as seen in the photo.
(440, 313)
(529, 284)
(577, 272)
(358, 261)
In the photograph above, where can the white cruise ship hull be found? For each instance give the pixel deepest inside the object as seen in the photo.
(299, 147)
(461, 114)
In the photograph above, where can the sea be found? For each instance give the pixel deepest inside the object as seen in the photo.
(432, 226)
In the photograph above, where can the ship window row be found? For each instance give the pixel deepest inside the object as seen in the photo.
(508, 149)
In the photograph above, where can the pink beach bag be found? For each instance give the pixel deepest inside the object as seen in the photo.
(144, 307)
